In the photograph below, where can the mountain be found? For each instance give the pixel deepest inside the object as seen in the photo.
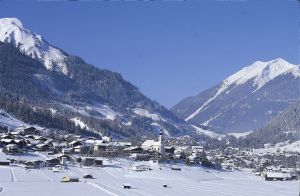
(282, 128)
(41, 84)
(246, 100)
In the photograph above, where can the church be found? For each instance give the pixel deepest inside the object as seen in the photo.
(153, 145)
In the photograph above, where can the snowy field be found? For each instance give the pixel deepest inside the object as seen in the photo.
(108, 180)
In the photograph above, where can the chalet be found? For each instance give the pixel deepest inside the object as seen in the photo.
(277, 176)
(12, 149)
(27, 130)
(106, 139)
(35, 164)
(112, 147)
(67, 150)
(126, 186)
(78, 149)
(176, 168)
(140, 168)
(52, 162)
(88, 161)
(98, 162)
(87, 176)
(75, 143)
(7, 136)
(42, 147)
(134, 149)
(69, 179)
(140, 157)
(64, 159)
(169, 150)
(197, 149)
(4, 163)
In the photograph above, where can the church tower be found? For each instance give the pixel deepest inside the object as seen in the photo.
(161, 143)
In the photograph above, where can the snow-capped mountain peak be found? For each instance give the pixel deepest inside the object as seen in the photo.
(261, 72)
(32, 44)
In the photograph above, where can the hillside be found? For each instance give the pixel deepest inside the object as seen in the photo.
(246, 100)
(43, 81)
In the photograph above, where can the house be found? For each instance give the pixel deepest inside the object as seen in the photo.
(197, 149)
(126, 186)
(24, 130)
(52, 162)
(88, 161)
(140, 168)
(67, 150)
(75, 143)
(140, 157)
(69, 179)
(11, 149)
(34, 164)
(169, 150)
(78, 149)
(270, 176)
(98, 162)
(64, 159)
(176, 168)
(87, 176)
(4, 163)
(134, 149)
(42, 147)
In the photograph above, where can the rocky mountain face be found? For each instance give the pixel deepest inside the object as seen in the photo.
(246, 100)
(39, 81)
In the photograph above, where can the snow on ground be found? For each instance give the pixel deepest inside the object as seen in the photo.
(147, 114)
(292, 147)
(108, 180)
(79, 123)
(9, 121)
(207, 132)
(238, 135)
(96, 110)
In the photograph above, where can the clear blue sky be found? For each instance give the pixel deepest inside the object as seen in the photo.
(169, 50)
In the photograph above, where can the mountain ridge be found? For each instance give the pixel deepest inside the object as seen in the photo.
(78, 91)
(236, 89)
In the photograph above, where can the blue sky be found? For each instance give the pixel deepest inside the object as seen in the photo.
(169, 50)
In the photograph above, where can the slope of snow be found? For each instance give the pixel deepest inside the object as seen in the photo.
(238, 135)
(96, 110)
(9, 121)
(292, 147)
(207, 132)
(31, 44)
(260, 72)
(147, 114)
(80, 123)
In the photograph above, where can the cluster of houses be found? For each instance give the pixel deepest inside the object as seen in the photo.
(65, 150)
(270, 165)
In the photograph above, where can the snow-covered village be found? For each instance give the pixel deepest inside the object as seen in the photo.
(36, 161)
(149, 98)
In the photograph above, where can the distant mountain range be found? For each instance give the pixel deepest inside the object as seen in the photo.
(39, 81)
(246, 100)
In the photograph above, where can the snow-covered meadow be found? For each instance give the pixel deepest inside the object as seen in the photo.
(109, 179)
